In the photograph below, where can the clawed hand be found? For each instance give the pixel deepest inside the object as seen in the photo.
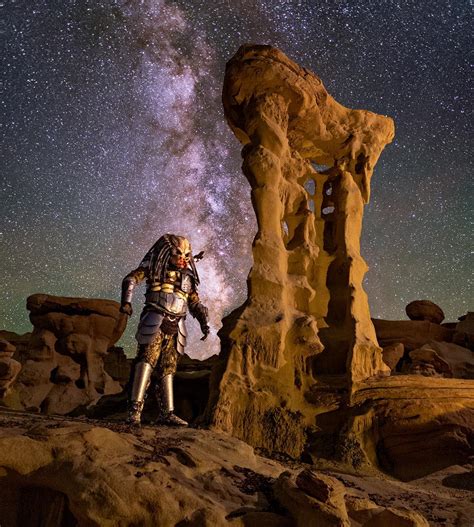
(205, 331)
(127, 309)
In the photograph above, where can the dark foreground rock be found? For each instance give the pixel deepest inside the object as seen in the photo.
(87, 473)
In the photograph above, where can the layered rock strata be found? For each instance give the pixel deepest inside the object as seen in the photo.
(306, 314)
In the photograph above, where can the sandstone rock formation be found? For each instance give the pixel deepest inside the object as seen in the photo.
(83, 473)
(425, 310)
(393, 354)
(20, 342)
(446, 360)
(412, 334)
(63, 364)
(464, 331)
(9, 367)
(306, 313)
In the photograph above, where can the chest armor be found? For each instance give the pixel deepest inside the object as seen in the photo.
(171, 295)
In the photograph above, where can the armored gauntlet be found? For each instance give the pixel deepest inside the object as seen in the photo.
(201, 314)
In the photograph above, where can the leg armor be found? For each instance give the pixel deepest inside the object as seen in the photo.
(141, 380)
(147, 357)
(165, 395)
(167, 368)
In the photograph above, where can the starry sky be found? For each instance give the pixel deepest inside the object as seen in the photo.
(112, 134)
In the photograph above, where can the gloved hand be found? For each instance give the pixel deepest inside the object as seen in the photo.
(205, 331)
(127, 309)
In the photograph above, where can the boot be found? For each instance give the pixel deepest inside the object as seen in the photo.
(167, 416)
(141, 380)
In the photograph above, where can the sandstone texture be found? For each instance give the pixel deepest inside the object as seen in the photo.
(9, 367)
(464, 331)
(306, 313)
(445, 359)
(60, 472)
(62, 365)
(393, 354)
(425, 310)
(412, 334)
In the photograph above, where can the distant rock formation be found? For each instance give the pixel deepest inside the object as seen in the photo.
(63, 362)
(9, 367)
(306, 313)
(424, 346)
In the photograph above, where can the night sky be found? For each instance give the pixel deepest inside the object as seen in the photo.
(112, 134)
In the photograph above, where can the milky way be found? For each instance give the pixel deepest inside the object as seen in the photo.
(113, 134)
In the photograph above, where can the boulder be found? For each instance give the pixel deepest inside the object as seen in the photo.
(312, 499)
(424, 310)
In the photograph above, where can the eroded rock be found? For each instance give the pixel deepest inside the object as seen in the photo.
(412, 334)
(392, 354)
(306, 314)
(443, 359)
(9, 367)
(425, 310)
(464, 331)
(63, 363)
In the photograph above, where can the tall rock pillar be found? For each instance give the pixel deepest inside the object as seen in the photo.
(306, 315)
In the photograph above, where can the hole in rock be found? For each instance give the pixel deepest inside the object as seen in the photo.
(284, 226)
(311, 205)
(318, 167)
(53, 375)
(328, 210)
(360, 163)
(80, 384)
(310, 187)
(329, 189)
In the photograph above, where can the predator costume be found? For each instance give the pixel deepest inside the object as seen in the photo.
(172, 279)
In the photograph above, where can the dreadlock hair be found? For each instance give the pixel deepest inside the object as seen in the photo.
(159, 256)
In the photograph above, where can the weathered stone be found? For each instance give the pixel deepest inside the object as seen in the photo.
(392, 354)
(19, 341)
(6, 348)
(9, 370)
(464, 331)
(73, 472)
(63, 365)
(426, 361)
(308, 510)
(117, 365)
(306, 314)
(361, 509)
(411, 333)
(446, 359)
(424, 310)
(321, 487)
(397, 518)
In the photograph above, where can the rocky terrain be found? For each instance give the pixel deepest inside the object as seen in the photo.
(65, 472)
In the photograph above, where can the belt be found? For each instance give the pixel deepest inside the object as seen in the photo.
(161, 309)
